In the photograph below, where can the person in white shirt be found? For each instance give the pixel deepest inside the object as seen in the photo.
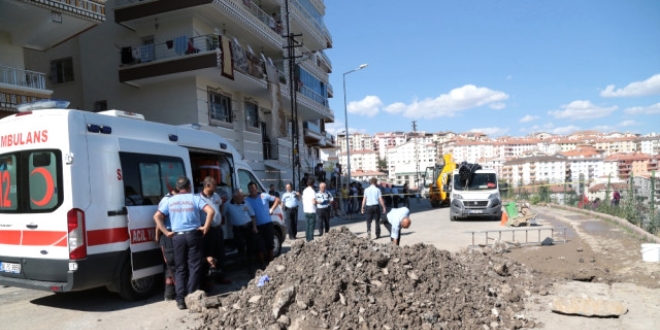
(290, 199)
(397, 219)
(372, 198)
(309, 208)
(323, 200)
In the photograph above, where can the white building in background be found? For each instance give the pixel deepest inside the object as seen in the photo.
(650, 144)
(358, 141)
(383, 141)
(402, 161)
(361, 160)
(35, 27)
(585, 162)
(535, 170)
(219, 65)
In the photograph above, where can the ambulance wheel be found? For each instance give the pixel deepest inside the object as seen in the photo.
(277, 242)
(131, 289)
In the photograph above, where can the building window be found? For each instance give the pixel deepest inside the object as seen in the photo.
(100, 105)
(251, 115)
(219, 108)
(61, 70)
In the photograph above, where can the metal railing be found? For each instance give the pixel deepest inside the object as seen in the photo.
(329, 138)
(314, 128)
(313, 95)
(23, 78)
(262, 16)
(181, 46)
(321, 27)
(84, 5)
(326, 58)
(271, 150)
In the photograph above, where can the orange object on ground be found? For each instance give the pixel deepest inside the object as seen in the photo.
(505, 218)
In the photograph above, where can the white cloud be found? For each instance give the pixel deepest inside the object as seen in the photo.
(368, 106)
(397, 107)
(627, 123)
(582, 110)
(492, 131)
(497, 106)
(447, 105)
(565, 130)
(651, 109)
(528, 118)
(649, 86)
(336, 128)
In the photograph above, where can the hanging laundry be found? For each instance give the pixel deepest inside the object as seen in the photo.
(146, 53)
(180, 44)
(126, 55)
(169, 43)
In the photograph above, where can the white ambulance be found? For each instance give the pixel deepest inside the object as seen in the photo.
(78, 191)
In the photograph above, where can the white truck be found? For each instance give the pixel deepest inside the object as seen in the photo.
(478, 197)
(78, 191)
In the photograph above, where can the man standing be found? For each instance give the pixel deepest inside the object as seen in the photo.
(323, 200)
(187, 234)
(397, 219)
(167, 248)
(309, 207)
(259, 202)
(290, 199)
(244, 224)
(274, 193)
(373, 197)
(214, 241)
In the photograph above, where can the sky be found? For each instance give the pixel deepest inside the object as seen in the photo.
(497, 67)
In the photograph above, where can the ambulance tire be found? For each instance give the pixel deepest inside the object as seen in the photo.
(277, 242)
(133, 290)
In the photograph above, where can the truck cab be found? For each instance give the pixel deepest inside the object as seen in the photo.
(478, 197)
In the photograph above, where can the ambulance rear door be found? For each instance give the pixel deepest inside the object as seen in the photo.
(148, 171)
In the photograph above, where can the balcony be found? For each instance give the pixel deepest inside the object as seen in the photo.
(21, 86)
(280, 156)
(331, 92)
(246, 19)
(312, 133)
(324, 61)
(42, 24)
(316, 34)
(328, 141)
(201, 55)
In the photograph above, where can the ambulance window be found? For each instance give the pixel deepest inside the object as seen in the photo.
(147, 178)
(30, 181)
(8, 183)
(245, 177)
(43, 176)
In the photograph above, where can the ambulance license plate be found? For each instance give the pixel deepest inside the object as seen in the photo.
(7, 267)
(476, 211)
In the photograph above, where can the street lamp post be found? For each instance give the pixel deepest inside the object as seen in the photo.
(348, 143)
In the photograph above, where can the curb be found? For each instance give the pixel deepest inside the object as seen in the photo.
(619, 221)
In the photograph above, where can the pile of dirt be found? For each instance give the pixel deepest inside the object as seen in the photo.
(341, 281)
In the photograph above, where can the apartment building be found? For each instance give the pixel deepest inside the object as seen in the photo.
(218, 65)
(408, 161)
(534, 170)
(363, 160)
(649, 144)
(623, 165)
(39, 26)
(611, 146)
(586, 163)
(357, 141)
(383, 141)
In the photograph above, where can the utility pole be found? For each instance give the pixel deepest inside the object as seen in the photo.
(414, 127)
(291, 45)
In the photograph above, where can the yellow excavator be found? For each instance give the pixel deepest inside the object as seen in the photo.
(440, 183)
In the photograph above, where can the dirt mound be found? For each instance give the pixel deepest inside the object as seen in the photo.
(344, 282)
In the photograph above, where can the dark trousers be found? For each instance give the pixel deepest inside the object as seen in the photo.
(167, 247)
(389, 229)
(188, 260)
(373, 214)
(214, 244)
(245, 238)
(323, 219)
(291, 214)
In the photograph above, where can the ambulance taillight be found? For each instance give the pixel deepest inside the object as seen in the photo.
(76, 224)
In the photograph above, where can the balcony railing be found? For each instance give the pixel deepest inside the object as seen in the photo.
(22, 78)
(329, 138)
(314, 128)
(262, 16)
(271, 151)
(313, 95)
(321, 27)
(243, 60)
(82, 7)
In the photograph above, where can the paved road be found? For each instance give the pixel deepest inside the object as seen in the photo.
(99, 309)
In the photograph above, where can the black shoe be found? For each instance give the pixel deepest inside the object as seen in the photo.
(181, 305)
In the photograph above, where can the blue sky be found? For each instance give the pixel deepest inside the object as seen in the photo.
(499, 67)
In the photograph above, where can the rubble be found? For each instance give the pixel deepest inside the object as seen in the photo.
(341, 281)
(588, 306)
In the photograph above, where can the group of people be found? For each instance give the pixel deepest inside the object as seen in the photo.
(353, 196)
(189, 231)
(189, 227)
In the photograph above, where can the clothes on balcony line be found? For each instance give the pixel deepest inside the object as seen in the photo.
(126, 55)
(169, 43)
(226, 64)
(180, 44)
(146, 53)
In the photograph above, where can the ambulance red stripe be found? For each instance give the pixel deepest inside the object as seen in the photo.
(107, 236)
(33, 238)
